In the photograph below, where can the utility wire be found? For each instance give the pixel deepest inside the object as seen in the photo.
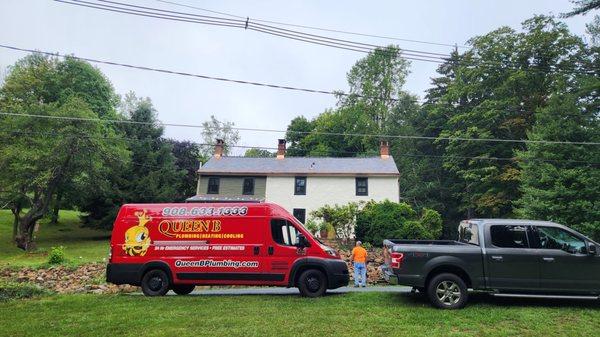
(298, 36)
(376, 135)
(309, 38)
(339, 152)
(316, 28)
(172, 72)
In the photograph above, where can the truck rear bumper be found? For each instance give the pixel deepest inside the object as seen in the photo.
(405, 280)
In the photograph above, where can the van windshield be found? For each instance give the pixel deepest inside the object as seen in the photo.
(468, 233)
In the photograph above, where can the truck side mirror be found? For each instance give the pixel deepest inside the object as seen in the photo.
(301, 241)
(592, 250)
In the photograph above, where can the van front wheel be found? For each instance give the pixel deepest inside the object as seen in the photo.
(183, 289)
(155, 283)
(312, 283)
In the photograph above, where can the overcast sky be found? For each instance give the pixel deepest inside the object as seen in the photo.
(247, 55)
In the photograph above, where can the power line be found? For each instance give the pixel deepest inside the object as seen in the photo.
(310, 38)
(317, 28)
(285, 33)
(375, 135)
(351, 153)
(172, 72)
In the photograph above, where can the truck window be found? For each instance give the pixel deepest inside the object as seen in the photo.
(283, 232)
(509, 236)
(468, 233)
(557, 238)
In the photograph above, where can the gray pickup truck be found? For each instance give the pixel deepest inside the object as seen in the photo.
(504, 257)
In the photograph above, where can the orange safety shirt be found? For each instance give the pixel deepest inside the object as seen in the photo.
(359, 254)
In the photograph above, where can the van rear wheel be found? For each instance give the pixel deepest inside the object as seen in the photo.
(312, 283)
(183, 289)
(155, 283)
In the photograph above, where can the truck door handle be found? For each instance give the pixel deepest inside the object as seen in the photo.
(270, 250)
(256, 250)
(548, 259)
(497, 258)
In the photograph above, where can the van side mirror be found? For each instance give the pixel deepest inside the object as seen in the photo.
(592, 250)
(301, 241)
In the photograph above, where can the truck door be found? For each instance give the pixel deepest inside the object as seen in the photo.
(281, 249)
(512, 263)
(565, 265)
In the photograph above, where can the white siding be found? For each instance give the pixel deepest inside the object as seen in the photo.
(328, 191)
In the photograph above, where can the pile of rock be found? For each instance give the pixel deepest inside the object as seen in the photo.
(88, 278)
(374, 262)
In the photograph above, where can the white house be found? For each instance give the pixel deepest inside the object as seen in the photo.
(299, 184)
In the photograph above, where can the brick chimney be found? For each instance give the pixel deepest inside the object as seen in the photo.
(384, 149)
(219, 148)
(281, 149)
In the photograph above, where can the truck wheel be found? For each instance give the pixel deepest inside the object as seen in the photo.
(312, 283)
(155, 283)
(183, 289)
(447, 291)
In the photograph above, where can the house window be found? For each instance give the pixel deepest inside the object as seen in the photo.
(300, 214)
(248, 188)
(213, 185)
(300, 186)
(362, 186)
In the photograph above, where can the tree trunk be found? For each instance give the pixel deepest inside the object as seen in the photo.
(56, 208)
(39, 207)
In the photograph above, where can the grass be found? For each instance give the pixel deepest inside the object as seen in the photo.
(82, 245)
(353, 314)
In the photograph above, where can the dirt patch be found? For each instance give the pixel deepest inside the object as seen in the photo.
(88, 278)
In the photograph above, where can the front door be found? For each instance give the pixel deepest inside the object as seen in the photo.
(565, 265)
(512, 263)
(281, 249)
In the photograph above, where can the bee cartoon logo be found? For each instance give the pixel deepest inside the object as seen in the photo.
(137, 238)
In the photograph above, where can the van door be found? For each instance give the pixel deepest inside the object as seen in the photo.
(281, 249)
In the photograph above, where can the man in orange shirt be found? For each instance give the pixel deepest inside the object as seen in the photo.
(359, 257)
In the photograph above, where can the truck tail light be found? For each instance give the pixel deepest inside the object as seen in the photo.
(397, 260)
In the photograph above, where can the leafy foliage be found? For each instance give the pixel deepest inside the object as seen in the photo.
(383, 220)
(19, 290)
(341, 217)
(41, 156)
(57, 255)
(151, 176)
(259, 153)
(214, 129)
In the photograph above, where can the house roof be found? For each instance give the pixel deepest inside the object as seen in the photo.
(300, 166)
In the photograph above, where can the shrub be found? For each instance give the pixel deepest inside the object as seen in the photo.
(385, 220)
(57, 255)
(312, 226)
(13, 290)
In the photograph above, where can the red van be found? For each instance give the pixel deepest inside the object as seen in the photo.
(178, 246)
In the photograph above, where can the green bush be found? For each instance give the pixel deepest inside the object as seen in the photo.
(13, 290)
(312, 226)
(386, 220)
(57, 255)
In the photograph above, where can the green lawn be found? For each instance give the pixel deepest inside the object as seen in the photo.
(81, 244)
(353, 314)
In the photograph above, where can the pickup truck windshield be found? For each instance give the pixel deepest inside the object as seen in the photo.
(467, 233)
